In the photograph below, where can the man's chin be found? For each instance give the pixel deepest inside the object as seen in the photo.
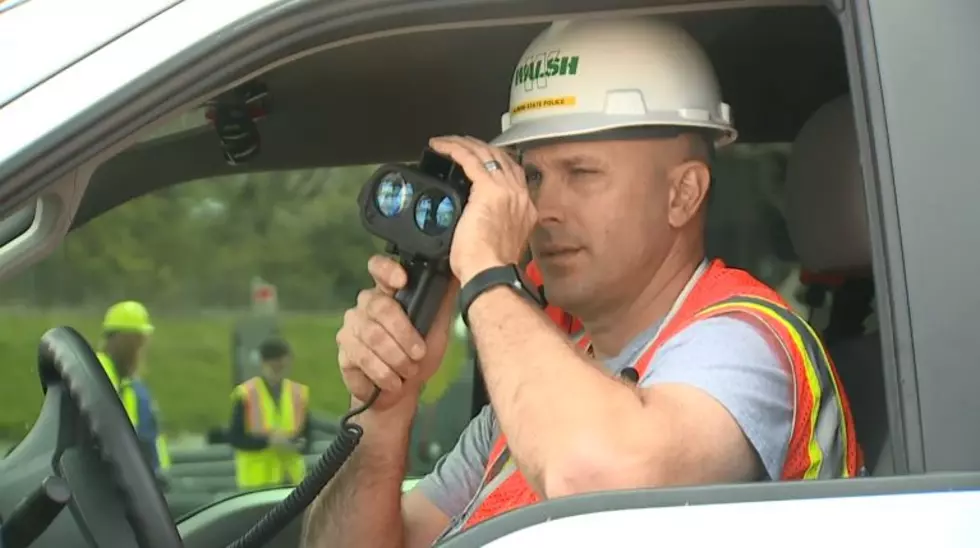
(563, 292)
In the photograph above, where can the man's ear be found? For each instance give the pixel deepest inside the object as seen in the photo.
(689, 185)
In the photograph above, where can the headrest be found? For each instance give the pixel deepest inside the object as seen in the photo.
(825, 211)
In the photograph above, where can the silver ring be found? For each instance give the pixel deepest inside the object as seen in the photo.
(492, 165)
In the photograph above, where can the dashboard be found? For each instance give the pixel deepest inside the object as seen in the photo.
(938, 511)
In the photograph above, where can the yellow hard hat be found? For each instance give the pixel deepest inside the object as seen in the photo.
(127, 316)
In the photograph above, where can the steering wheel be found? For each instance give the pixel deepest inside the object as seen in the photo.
(66, 359)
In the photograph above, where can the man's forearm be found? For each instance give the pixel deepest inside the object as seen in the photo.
(551, 401)
(361, 506)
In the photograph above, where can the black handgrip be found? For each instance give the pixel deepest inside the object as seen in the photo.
(423, 294)
(35, 513)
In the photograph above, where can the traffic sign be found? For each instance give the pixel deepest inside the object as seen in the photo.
(265, 298)
(264, 293)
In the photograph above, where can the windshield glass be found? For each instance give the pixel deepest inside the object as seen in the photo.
(222, 266)
(49, 35)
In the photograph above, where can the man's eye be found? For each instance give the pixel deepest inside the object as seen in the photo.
(533, 178)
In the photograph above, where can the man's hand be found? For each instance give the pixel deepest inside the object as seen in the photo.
(299, 444)
(280, 440)
(379, 346)
(499, 216)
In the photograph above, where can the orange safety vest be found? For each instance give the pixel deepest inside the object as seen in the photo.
(562, 319)
(830, 451)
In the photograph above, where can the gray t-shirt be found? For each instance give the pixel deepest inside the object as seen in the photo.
(736, 362)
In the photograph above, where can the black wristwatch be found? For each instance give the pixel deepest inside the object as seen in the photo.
(508, 275)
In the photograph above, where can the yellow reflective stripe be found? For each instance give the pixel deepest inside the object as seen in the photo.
(813, 446)
(845, 473)
(250, 400)
(253, 406)
(295, 403)
(298, 406)
(110, 369)
(129, 401)
(163, 453)
(834, 380)
(268, 408)
(270, 412)
(284, 408)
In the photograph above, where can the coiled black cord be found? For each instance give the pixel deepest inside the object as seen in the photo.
(303, 495)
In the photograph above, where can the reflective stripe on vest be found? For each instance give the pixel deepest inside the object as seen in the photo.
(163, 452)
(257, 419)
(822, 443)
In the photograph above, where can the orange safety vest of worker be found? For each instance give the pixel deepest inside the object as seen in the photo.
(830, 451)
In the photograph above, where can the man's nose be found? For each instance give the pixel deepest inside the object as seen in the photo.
(551, 201)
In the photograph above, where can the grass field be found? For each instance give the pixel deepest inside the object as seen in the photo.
(188, 365)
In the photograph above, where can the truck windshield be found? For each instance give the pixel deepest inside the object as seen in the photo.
(50, 35)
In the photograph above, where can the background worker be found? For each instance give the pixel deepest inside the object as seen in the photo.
(270, 423)
(126, 330)
(149, 426)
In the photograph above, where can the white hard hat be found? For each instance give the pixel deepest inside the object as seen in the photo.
(584, 76)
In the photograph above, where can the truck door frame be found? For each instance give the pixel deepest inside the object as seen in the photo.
(912, 112)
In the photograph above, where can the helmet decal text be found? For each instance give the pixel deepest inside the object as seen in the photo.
(536, 69)
(547, 102)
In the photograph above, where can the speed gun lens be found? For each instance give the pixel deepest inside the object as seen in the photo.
(393, 195)
(434, 219)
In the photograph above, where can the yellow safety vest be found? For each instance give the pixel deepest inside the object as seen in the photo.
(270, 467)
(131, 404)
(122, 387)
(163, 452)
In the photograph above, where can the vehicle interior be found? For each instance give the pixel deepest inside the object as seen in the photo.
(334, 100)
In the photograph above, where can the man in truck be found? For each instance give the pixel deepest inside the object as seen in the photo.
(686, 372)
